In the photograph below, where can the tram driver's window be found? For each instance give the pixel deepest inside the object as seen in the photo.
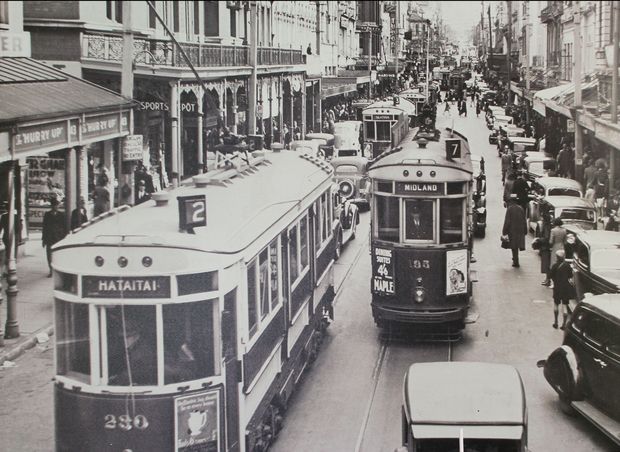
(419, 219)
(73, 340)
(451, 221)
(189, 341)
(383, 131)
(132, 345)
(370, 130)
(388, 218)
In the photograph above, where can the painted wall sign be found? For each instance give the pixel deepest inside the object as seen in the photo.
(197, 420)
(422, 188)
(383, 271)
(126, 287)
(42, 136)
(15, 44)
(132, 148)
(46, 179)
(97, 126)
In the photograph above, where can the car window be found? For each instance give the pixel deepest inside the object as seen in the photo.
(561, 191)
(347, 152)
(577, 214)
(612, 345)
(580, 251)
(595, 328)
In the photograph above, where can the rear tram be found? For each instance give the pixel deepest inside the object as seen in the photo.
(184, 323)
(421, 233)
(385, 125)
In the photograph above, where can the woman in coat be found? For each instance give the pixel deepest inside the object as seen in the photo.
(515, 228)
(545, 248)
(557, 237)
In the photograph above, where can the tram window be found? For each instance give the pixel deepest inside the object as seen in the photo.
(263, 274)
(303, 242)
(451, 224)
(252, 313)
(383, 131)
(324, 217)
(388, 218)
(65, 282)
(317, 230)
(292, 252)
(455, 188)
(386, 187)
(419, 215)
(132, 345)
(196, 283)
(370, 130)
(72, 342)
(189, 341)
(274, 273)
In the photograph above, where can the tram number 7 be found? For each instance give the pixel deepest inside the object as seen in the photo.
(125, 422)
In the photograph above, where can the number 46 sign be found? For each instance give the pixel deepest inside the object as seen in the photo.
(192, 212)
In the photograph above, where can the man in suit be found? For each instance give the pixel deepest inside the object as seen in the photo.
(142, 195)
(515, 228)
(79, 216)
(53, 231)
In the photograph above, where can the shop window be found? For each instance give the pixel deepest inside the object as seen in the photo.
(252, 313)
(73, 340)
(388, 218)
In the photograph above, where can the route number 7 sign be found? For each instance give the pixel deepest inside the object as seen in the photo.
(453, 149)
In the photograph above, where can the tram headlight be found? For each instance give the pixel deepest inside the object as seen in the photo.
(418, 295)
(147, 261)
(122, 261)
(345, 189)
(99, 261)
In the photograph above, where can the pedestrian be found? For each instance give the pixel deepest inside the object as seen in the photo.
(478, 109)
(545, 247)
(78, 215)
(447, 109)
(557, 239)
(53, 230)
(101, 195)
(601, 191)
(508, 184)
(464, 108)
(561, 274)
(589, 174)
(506, 162)
(142, 195)
(521, 189)
(515, 228)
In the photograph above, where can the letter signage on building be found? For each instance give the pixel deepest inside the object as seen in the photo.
(14, 44)
(419, 188)
(382, 271)
(132, 148)
(126, 287)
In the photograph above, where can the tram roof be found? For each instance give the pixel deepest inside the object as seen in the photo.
(384, 107)
(238, 212)
(434, 154)
(470, 393)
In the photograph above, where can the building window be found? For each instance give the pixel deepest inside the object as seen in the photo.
(4, 12)
(233, 23)
(152, 16)
(211, 27)
(114, 10)
(196, 18)
(175, 17)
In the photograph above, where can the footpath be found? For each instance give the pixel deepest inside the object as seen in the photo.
(34, 304)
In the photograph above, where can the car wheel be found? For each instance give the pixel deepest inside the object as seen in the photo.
(562, 372)
(338, 250)
(566, 407)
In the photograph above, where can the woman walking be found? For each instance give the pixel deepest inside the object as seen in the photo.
(557, 238)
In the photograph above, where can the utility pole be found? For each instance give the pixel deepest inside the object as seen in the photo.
(428, 46)
(508, 50)
(397, 44)
(252, 91)
(126, 89)
(527, 60)
(615, 14)
(490, 57)
(369, 63)
(577, 97)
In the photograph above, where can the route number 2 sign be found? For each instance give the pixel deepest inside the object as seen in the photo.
(192, 212)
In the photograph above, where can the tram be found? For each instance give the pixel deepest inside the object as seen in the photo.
(385, 124)
(184, 323)
(421, 233)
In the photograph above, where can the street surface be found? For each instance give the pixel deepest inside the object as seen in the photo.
(350, 400)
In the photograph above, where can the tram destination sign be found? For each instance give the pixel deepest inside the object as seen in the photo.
(126, 286)
(383, 271)
(420, 188)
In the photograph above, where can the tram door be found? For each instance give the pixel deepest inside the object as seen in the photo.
(233, 376)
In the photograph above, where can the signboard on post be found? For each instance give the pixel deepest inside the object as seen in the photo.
(132, 148)
(570, 125)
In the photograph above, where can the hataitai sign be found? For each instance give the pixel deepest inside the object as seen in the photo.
(126, 287)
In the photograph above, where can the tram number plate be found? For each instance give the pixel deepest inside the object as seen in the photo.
(192, 211)
(125, 422)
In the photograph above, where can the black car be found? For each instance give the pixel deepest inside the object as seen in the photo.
(596, 262)
(585, 370)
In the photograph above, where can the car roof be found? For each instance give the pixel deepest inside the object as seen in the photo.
(522, 140)
(569, 201)
(325, 136)
(600, 240)
(608, 303)
(307, 143)
(464, 392)
(536, 156)
(504, 118)
(550, 181)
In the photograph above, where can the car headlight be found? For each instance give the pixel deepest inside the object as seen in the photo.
(346, 189)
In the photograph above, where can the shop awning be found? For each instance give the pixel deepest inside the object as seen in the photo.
(31, 90)
(334, 86)
(549, 98)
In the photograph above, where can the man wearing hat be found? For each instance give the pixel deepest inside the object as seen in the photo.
(53, 230)
(521, 189)
(515, 228)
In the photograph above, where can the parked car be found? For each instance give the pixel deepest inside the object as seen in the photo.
(498, 121)
(490, 96)
(596, 262)
(571, 210)
(536, 164)
(485, 407)
(585, 370)
(493, 110)
(519, 145)
(326, 143)
(347, 139)
(346, 219)
(350, 173)
(479, 196)
(505, 131)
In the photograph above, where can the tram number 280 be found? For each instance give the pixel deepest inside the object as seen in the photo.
(125, 422)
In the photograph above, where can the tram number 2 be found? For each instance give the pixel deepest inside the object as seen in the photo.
(125, 422)
(417, 263)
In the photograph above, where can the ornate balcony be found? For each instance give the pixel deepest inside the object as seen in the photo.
(155, 52)
(551, 12)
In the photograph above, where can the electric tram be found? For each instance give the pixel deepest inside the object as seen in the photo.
(421, 232)
(184, 323)
(385, 124)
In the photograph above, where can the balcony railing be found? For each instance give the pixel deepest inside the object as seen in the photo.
(156, 52)
(551, 12)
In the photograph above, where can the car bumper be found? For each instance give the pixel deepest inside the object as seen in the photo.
(411, 316)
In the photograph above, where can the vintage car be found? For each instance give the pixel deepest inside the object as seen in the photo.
(479, 196)
(505, 132)
(572, 210)
(585, 369)
(498, 121)
(490, 96)
(493, 110)
(347, 136)
(519, 145)
(484, 409)
(346, 219)
(310, 147)
(536, 164)
(326, 142)
(596, 262)
(350, 173)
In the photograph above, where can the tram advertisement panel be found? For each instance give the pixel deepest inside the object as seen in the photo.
(383, 271)
(196, 422)
(456, 272)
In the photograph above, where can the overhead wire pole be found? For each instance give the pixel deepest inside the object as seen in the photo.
(428, 46)
(614, 85)
(397, 43)
(577, 98)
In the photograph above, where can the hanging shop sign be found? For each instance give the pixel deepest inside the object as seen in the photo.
(46, 179)
(102, 125)
(132, 148)
(570, 125)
